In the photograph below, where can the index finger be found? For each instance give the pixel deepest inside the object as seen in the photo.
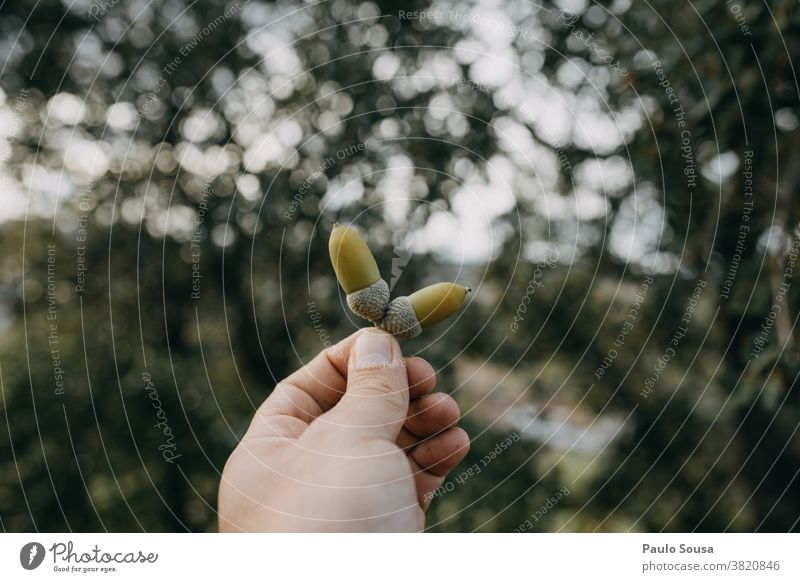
(319, 385)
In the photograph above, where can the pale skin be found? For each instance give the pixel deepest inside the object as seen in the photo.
(353, 441)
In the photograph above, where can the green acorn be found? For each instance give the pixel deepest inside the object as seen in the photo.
(406, 317)
(358, 274)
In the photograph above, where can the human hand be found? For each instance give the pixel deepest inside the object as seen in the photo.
(353, 441)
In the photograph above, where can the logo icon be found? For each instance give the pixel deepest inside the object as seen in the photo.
(402, 256)
(31, 555)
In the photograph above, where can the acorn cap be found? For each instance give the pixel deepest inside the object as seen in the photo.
(352, 260)
(406, 316)
(370, 302)
(400, 319)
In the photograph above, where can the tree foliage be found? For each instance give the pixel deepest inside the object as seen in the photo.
(173, 170)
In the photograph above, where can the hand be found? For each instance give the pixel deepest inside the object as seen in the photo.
(353, 441)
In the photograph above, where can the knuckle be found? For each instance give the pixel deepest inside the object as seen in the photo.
(378, 381)
(375, 387)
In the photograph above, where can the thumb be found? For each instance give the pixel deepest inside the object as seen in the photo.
(376, 400)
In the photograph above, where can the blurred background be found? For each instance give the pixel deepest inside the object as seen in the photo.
(617, 181)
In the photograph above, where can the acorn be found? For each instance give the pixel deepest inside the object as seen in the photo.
(406, 317)
(358, 274)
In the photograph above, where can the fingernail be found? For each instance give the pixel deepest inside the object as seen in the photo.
(373, 349)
